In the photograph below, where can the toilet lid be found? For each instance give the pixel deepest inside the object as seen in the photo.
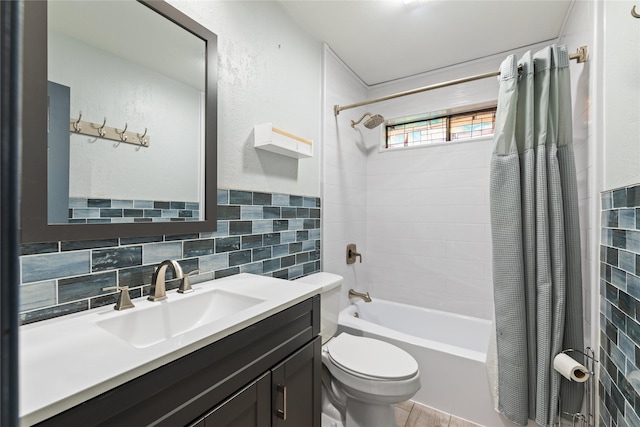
(371, 358)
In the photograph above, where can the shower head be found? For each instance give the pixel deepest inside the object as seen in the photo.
(373, 121)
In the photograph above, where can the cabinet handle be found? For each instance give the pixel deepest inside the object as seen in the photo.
(282, 413)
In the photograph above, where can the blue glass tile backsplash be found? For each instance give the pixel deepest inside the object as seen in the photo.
(620, 308)
(262, 233)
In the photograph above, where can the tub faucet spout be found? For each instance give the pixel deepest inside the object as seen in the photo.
(354, 294)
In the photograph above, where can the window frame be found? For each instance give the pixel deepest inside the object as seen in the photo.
(448, 115)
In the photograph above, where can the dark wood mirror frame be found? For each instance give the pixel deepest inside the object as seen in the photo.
(33, 206)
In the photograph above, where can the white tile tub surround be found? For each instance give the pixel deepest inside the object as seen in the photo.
(344, 177)
(429, 227)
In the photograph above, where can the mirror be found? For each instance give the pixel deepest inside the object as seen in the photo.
(120, 117)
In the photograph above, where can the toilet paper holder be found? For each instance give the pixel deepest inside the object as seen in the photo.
(588, 420)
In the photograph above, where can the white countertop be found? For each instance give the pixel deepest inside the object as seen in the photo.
(68, 360)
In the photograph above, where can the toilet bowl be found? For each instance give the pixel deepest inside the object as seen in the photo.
(362, 377)
(373, 376)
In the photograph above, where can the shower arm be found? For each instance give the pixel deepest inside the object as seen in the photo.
(353, 124)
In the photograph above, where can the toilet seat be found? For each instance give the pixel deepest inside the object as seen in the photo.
(371, 359)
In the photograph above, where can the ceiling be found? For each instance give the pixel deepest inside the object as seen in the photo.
(141, 36)
(385, 40)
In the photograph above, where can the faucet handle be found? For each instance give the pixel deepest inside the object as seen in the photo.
(185, 285)
(352, 253)
(124, 301)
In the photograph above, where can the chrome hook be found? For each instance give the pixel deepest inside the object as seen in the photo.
(101, 130)
(634, 13)
(141, 138)
(77, 126)
(123, 136)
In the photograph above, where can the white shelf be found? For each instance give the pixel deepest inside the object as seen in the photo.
(268, 138)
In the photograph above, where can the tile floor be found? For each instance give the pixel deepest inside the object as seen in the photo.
(410, 414)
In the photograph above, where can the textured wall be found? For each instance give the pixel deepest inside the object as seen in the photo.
(269, 72)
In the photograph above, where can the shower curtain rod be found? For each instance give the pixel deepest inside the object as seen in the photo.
(580, 55)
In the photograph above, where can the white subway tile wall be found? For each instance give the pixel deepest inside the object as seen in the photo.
(428, 228)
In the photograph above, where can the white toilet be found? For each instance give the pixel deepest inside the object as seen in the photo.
(362, 377)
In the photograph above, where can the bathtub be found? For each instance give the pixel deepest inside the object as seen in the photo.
(450, 350)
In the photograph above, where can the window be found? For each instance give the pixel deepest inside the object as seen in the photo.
(453, 127)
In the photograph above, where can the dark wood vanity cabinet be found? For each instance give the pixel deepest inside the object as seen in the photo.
(267, 374)
(292, 405)
(279, 398)
(250, 407)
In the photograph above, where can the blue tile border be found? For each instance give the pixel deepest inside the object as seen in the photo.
(619, 307)
(83, 210)
(271, 234)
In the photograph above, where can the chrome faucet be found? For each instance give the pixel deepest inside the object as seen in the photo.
(158, 290)
(354, 294)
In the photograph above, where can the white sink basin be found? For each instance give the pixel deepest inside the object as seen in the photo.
(144, 327)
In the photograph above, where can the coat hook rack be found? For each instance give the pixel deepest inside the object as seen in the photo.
(634, 13)
(103, 131)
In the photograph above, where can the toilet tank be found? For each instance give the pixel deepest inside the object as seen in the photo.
(329, 301)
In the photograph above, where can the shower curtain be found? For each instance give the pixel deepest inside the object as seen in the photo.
(536, 242)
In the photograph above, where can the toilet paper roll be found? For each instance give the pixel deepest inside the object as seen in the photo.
(570, 368)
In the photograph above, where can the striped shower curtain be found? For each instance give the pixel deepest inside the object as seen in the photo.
(536, 242)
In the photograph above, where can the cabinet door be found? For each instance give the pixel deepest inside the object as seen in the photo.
(250, 407)
(295, 388)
